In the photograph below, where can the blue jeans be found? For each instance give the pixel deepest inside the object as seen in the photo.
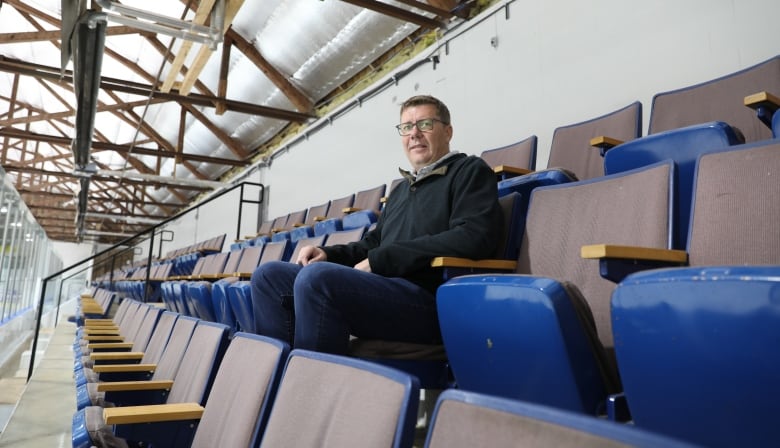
(319, 306)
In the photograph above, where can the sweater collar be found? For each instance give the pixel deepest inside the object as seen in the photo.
(438, 167)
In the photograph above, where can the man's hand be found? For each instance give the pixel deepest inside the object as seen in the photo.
(310, 254)
(363, 266)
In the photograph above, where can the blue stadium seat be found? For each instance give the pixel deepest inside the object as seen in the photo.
(152, 354)
(428, 362)
(545, 336)
(129, 368)
(571, 145)
(95, 425)
(700, 341)
(513, 159)
(331, 222)
(697, 352)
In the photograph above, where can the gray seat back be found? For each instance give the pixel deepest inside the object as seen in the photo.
(736, 207)
(242, 392)
(630, 208)
(521, 154)
(720, 99)
(570, 148)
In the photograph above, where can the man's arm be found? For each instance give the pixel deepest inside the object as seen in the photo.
(473, 230)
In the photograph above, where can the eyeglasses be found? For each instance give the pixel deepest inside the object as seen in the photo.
(424, 125)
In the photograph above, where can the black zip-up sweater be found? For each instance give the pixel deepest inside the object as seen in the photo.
(453, 211)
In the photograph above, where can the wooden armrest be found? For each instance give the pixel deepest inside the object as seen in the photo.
(115, 368)
(103, 327)
(152, 413)
(278, 229)
(599, 251)
(617, 262)
(115, 356)
(90, 322)
(455, 262)
(105, 337)
(86, 295)
(383, 200)
(91, 308)
(348, 210)
(319, 218)
(765, 104)
(242, 274)
(604, 143)
(507, 169)
(119, 386)
(762, 99)
(106, 331)
(107, 345)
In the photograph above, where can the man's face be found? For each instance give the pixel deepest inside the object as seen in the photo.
(424, 148)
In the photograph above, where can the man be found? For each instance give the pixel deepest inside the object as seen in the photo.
(383, 286)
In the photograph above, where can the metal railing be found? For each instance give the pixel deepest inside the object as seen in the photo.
(110, 254)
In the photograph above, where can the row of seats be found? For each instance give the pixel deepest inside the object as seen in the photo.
(518, 372)
(580, 325)
(219, 290)
(176, 262)
(556, 337)
(206, 390)
(354, 210)
(580, 149)
(746, 100)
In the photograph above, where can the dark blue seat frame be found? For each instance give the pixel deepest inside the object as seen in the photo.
(698, 352)
(682, 145)
(701, 341)
(776, 125)
(170, 434)
(530, 332)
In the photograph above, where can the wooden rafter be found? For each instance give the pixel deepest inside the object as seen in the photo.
(282, 82)
(231, 9)
(54, 36)
(201, 15)
(122, 149)
(398, 13)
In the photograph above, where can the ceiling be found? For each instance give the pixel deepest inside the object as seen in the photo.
(169, 119)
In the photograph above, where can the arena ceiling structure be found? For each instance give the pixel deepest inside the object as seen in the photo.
(115, 116)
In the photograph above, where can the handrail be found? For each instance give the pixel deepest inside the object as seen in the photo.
(151, 230)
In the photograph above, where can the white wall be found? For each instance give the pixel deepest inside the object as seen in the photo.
(556, 63)
(71, 253)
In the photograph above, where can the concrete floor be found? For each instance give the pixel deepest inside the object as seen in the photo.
(42, 417)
